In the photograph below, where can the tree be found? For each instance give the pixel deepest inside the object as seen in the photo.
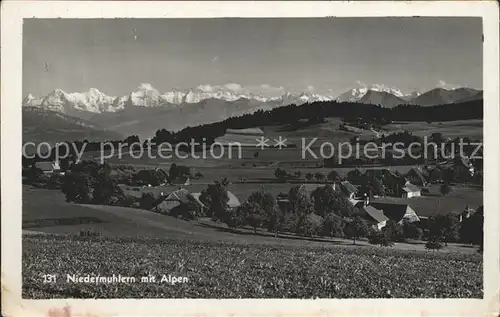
(275, 221)
(280, 174)
(354, 176)
(310, 225)
(379, 238)
(445, 189)
(325, 200)
(309, 176)
(216, 198)
(377, 187)
(198, 175)
(33, 173)
(444, 228)
(147, 201)
(77, 187)
(257, 209)
(435, 175)
(393, 231)
(411, 231)
(152, 177)
(319, 177)
(105, 190)
(187, 211)
(333, 226)
(356, 228)
(299, 201)
(175, 171)
(333, 176)
(477, 227)
(471, 230)
(437, 138)
(54, 181)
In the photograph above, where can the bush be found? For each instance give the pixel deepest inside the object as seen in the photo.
(433, 244)
(185, 211)
(128, 201)
(393, 231)
(309, 225)
(146, 201)
(379, 238)
(412, 231)
(356, 228)
(333, 226)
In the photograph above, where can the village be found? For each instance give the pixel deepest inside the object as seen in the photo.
(414, 203)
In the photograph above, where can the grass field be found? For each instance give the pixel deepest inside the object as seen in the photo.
(228, 270)
(328, 131)
(463, 128)
(47, 211)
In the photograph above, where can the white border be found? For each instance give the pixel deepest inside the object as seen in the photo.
(11, 95)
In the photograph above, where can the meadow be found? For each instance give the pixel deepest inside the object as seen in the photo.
(47, 212)
(235, 270)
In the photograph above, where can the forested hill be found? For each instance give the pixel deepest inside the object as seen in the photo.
(317, 111)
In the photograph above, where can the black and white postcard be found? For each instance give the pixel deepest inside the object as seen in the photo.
(269, 158)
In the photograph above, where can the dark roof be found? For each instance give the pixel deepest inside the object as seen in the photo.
(348, 188)
(419, 173)
(393, 211)
(372, 212)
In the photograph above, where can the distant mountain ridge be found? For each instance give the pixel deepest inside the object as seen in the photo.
(42, 125)
(441, 96)
(95, 102)
(144, 110)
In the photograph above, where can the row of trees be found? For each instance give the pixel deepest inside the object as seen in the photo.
(293, 113)
(282, 175)
(327, 213)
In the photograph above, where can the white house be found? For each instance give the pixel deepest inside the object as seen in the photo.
(410, 190)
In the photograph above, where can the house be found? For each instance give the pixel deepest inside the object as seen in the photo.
(466, 213)
(233, 201)
(397, 212)
(48, 167)
(374, 216)
(416, 176)
(348, 189)
(166, 203)
(409, 190)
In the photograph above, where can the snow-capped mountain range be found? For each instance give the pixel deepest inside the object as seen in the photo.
(146, 95)
(356, 94)
(95, 101)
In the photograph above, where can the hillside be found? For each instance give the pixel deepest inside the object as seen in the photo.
(381, 98)
(145, 121)
(50, 126)
(441, 96)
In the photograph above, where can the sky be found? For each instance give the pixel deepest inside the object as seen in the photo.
(300, 54)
